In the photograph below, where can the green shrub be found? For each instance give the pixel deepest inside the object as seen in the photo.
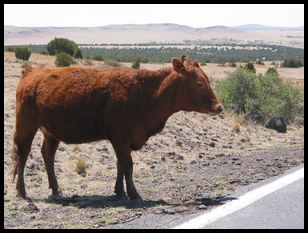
(98, 57)
(64, 59)
(260, 96)
(271, 71)
(78, 54)
(136, 64)
(22, 52)
(112, 63)
(292, 63)
(249, 66)
(64, 45)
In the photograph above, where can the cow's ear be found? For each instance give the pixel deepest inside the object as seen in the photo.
(178, 65)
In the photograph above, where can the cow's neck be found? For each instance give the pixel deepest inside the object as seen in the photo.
(167, 96)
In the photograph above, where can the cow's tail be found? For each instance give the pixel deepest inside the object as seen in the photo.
(15, 158)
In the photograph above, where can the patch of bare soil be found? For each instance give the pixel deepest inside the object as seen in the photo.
(191, 165)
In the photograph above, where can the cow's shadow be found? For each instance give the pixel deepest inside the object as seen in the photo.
(100, 201)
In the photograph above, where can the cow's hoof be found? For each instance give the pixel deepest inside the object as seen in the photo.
(137, 201)
(57, 192)
(121, 196)
(21, 194)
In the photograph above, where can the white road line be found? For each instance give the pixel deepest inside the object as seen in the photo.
(241, 202)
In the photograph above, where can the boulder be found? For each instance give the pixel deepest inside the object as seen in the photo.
(276, 123)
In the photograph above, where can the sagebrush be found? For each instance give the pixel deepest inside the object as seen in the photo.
(63, 59)
(22, 52)
(260, 96)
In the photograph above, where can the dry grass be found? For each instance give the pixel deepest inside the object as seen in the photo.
(81, 166)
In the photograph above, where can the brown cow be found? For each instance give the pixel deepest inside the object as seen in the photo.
(122, 105)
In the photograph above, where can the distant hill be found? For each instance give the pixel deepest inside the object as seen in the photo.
(141, 33)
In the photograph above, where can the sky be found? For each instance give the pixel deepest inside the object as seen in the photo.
(193, 15)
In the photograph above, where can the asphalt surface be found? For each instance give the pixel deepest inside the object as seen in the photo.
(282, 209)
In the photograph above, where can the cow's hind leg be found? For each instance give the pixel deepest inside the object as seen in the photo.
(49, 147)
(21, 148)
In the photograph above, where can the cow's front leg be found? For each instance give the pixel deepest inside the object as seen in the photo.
(125, 163)
(119, 186)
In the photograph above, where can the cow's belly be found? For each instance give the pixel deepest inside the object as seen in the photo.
(73, 127)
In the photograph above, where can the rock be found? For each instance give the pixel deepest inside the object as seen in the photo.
(193, 162)
(212, 144)
(220, 155)
(152, 167)
(104, 149)
(178, 143)
(221, 116)
(245, 139)
(234, 181)
(202, 207)
(163, 158)
(200, 156)
(83, 186)
(168, 211)
(175, 156)
(214, 139)
(61, 148)
(276, 123)
(32, 208)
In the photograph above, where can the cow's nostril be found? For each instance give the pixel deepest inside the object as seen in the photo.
(220, 108)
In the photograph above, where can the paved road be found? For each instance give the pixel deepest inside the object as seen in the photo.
(283, 209)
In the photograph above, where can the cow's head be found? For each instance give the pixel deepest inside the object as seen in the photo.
(195, 91)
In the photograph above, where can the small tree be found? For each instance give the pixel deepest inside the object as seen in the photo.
(64, 59)
(136, 64)
(62, 45)
(22, 52)
(292, 62)
(98, 57)
(78, 54)
(272, 71)
(249, 66)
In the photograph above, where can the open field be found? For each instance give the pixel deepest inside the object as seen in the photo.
(194, 162)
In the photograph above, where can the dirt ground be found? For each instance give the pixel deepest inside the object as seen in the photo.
(194, 162)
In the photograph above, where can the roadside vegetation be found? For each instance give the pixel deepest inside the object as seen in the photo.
(259, 96)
